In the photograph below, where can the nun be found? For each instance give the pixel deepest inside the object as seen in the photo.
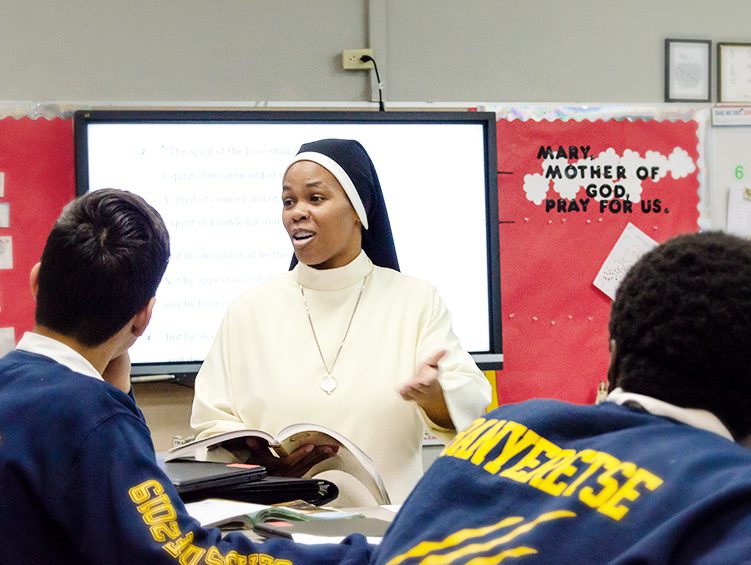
(343, 339)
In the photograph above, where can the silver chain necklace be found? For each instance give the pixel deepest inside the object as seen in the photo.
(328, 382)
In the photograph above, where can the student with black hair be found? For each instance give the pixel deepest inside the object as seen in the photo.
(80, 481)
(343, 339)
(655, 474)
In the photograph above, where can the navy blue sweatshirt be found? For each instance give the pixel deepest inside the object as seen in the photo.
(80, 483)
(550, 482)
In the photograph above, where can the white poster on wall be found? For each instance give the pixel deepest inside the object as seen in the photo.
(7, 340)
(739, 211)
(6, 252)
(630, 246)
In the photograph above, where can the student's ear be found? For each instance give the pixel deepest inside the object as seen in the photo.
(34, 279)
(142, 318)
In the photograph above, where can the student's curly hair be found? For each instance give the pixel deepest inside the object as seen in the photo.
(681, 321)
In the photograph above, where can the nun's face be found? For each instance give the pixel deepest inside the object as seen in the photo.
(319, 218)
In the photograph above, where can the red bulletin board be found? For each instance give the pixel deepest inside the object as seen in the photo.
(37, 162)
(554, 237)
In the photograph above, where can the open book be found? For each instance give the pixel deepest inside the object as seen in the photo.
(232, 514)
(349, 458)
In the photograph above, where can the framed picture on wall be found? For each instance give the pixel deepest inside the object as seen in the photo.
(688, 67)
(734, 72)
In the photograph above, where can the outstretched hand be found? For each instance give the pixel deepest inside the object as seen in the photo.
(425, 389)
(295, 464)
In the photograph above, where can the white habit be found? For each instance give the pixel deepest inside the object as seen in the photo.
(264, 370)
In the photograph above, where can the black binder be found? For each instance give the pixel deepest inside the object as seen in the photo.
(270, 490)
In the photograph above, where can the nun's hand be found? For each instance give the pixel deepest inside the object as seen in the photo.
(295, 464)
(425, 389)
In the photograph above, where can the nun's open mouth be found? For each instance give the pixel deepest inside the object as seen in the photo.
(302, 237)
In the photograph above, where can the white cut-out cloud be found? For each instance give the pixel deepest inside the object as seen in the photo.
(536, 186)
(681, 165)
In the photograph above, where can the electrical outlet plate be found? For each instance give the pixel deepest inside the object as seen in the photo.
(351, 59)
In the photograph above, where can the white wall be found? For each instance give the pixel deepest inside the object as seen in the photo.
(289, 50)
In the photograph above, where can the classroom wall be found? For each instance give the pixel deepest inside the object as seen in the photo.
(166, 407)
(289, 50)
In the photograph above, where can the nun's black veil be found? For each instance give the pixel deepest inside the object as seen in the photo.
(377, 240)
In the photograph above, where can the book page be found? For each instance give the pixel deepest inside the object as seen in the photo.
(219, 512)
(216, 511)
(349, 459)
(201, 449)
